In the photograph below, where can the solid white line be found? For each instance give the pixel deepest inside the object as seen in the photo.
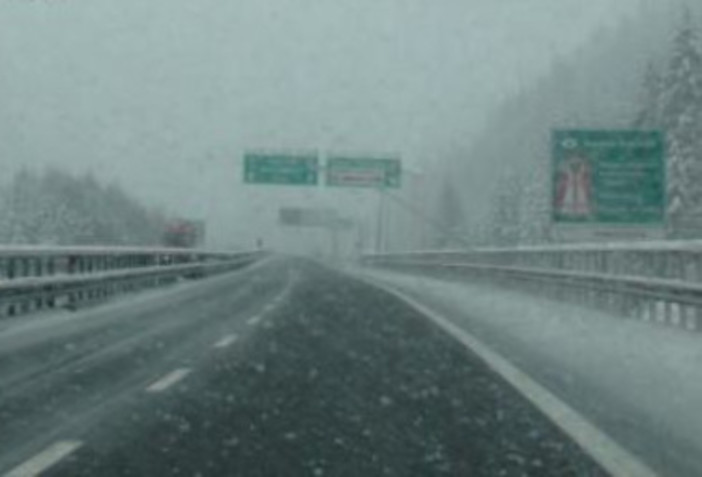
(45, 459)
(168, 380)
(225, 341)
(253, 321)
(607, 453)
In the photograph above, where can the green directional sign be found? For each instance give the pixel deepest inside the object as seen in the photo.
(608, 177)
(281, 169)
(364, 172)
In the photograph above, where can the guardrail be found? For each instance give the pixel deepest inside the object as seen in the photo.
(654, 281)
(37, 278)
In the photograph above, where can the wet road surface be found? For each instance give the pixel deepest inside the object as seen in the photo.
(283, 369)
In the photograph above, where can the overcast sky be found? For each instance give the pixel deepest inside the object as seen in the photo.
(165, 95)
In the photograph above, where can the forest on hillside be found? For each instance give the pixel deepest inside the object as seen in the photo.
(57, 208)
(644, 74)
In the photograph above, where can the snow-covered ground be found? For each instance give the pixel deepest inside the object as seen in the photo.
(640, 382)
(14, 331)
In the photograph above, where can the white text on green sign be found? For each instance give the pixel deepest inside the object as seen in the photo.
(363, 172)
(281, 169)
(608, 177)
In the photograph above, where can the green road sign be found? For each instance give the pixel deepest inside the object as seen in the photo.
(363, 172)
(281, 169)
(608, 177)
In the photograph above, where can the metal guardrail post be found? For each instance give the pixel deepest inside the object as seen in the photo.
(35, 278)
(658, 282)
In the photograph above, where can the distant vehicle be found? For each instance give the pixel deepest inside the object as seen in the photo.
(184, 233)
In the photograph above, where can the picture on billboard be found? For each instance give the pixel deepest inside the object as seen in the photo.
(573, 187)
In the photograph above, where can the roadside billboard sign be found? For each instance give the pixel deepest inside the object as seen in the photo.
(609, 180)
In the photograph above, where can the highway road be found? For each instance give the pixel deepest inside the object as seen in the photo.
(639, 383)
(285, 368)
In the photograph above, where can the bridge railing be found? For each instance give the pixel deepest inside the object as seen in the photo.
(654, 281)
(37, 278)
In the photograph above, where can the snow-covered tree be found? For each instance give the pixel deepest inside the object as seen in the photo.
(596, 88)
(450, 217)
(506, 219)
(55, 208)
(535, 209)
(681, 118)
(649, 116)
(25, 208)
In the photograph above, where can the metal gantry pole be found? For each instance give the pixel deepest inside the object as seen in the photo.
(379, 230)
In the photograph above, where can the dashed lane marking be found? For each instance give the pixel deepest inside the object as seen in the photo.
(254, 320)
(226, 341)
(168, 380)
(45, 459)
(615, 459)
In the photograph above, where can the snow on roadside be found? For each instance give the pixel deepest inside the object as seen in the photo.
(653, 369)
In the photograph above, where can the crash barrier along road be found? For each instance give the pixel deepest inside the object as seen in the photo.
(38, 278)
(654, 281)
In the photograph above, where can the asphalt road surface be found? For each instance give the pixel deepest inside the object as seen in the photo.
(285, 368)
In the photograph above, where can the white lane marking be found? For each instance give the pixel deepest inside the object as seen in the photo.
(45, 459)
(168, 380)
(225, 341)
(609, 454)
(254, 320)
